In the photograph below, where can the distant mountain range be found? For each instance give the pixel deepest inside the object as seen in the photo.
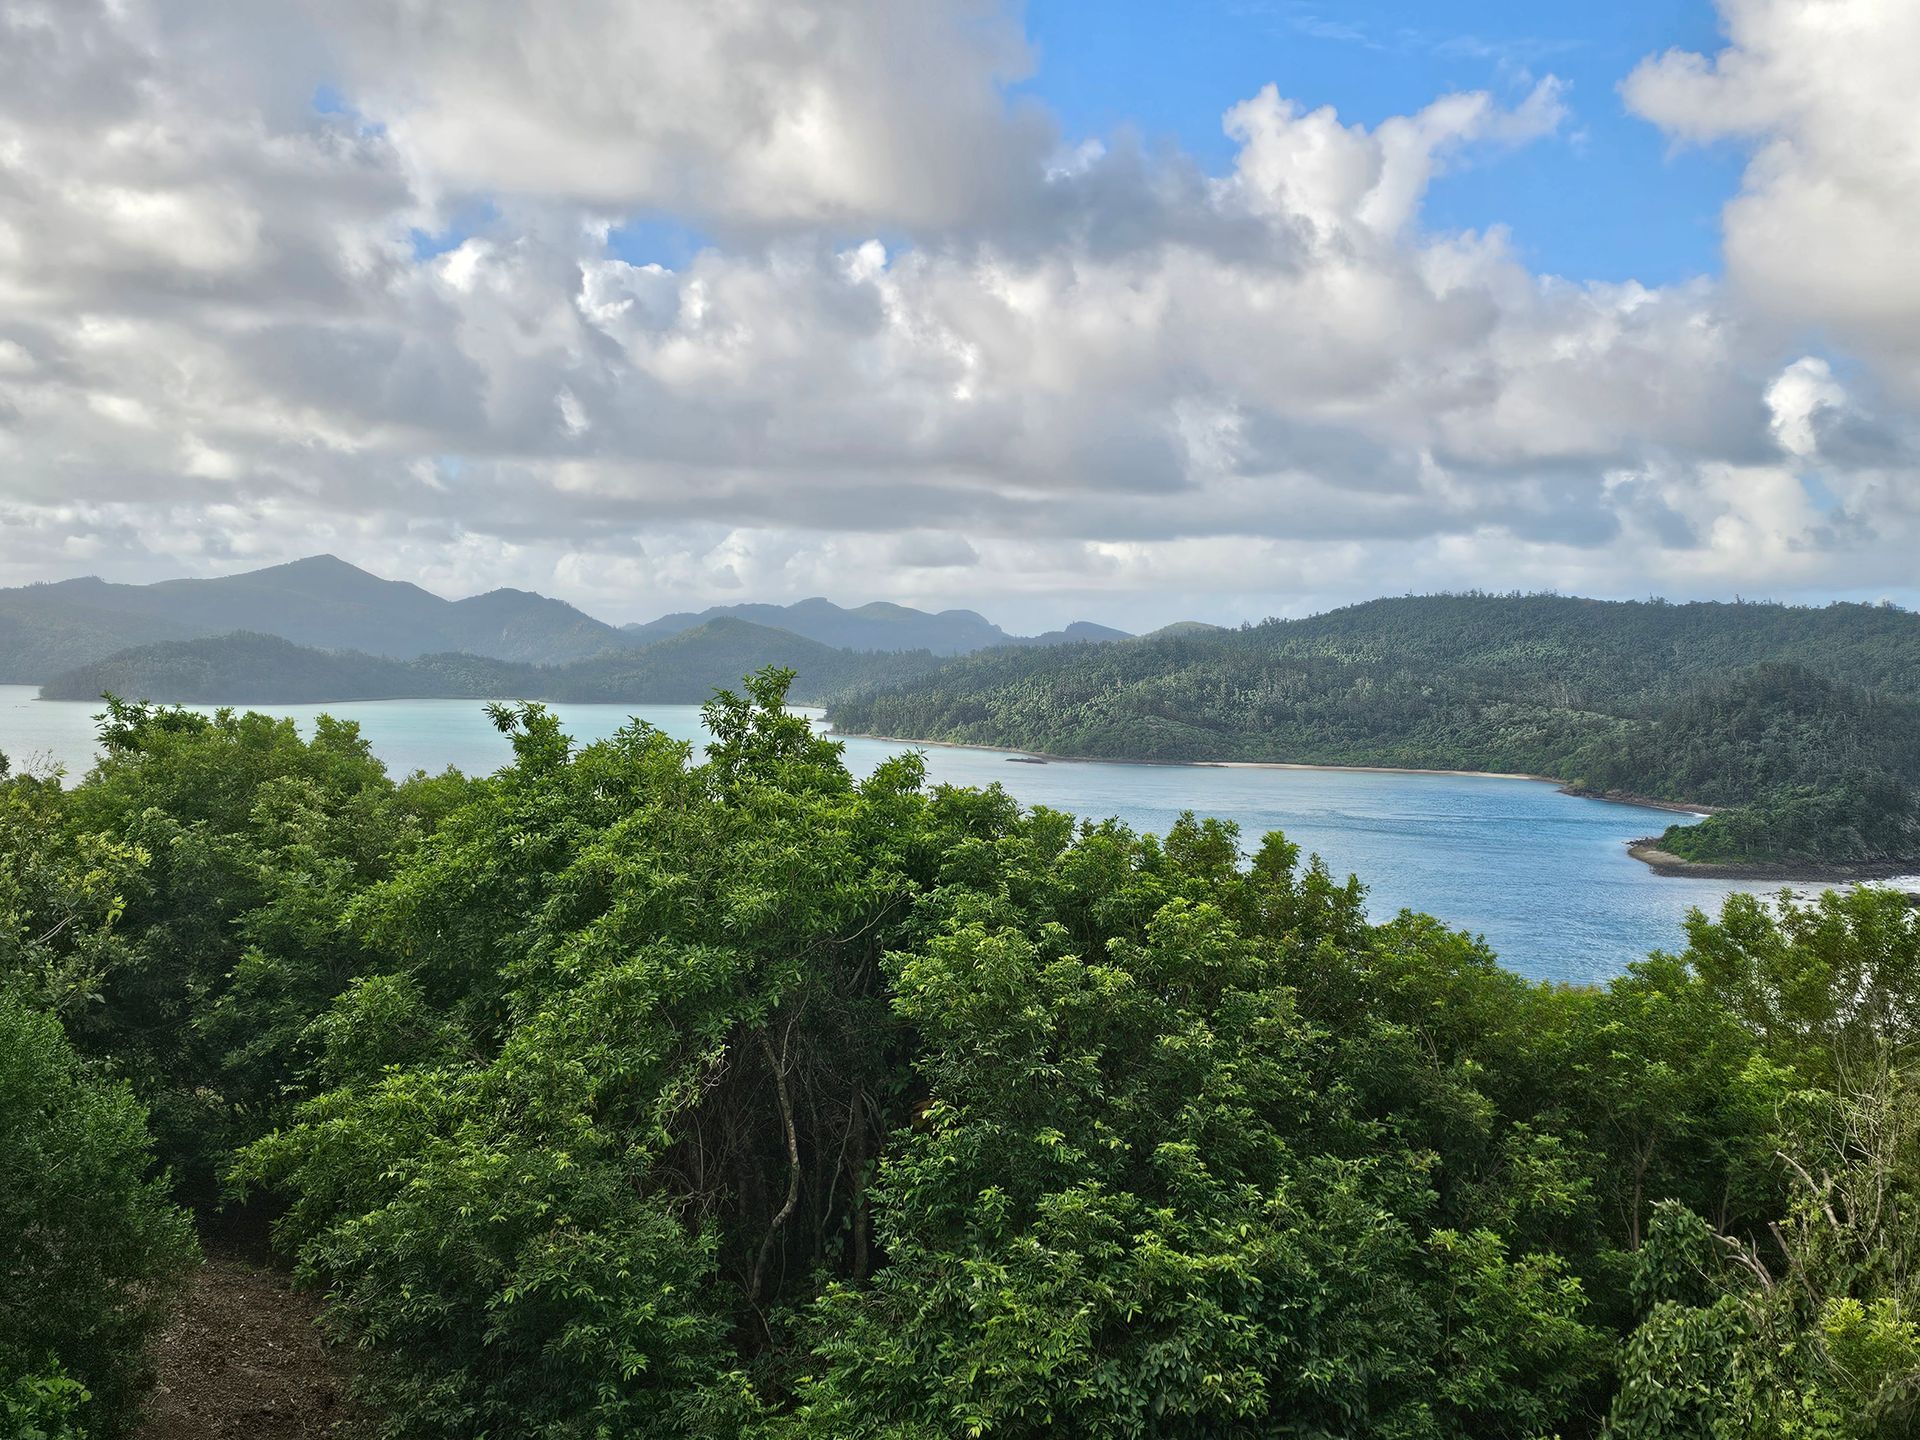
(326, 604)
(320, 601)
(878, 626)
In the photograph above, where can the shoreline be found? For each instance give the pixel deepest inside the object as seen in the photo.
(1664, 862)
(1646, 849)
(1611, 797)
(1050, 757)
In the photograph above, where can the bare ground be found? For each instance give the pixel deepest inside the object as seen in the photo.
(242, 1360)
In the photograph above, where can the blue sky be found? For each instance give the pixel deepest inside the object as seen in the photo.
(1609, 199)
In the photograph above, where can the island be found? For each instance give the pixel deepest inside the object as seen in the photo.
(1794, 730)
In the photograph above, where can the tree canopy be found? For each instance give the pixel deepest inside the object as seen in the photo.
(636, 1090)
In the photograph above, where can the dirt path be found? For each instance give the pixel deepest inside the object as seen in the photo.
(242, 1360)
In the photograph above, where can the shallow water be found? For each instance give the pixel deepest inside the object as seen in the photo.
(1545, 877)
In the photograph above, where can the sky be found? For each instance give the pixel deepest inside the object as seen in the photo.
(1125, 311)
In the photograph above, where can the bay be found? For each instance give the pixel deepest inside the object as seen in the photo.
(1545, 877)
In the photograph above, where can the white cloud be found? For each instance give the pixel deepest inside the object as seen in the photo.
(923, 356)
(1797, 398)
(1343, 178)
(1821, 236)
(762, 112)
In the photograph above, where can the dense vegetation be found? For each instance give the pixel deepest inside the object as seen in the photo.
(632, 1093)
(1811, 769)
(681, 669)
(1804, 722)
(89, 1245)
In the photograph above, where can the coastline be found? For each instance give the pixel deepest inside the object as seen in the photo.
(1646, 849)
(1664, 862)
(1370, 769)
(1612, 797)
(1050, 757)
(1644, 802)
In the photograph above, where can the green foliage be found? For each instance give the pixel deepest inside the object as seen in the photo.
(1827, 984)
(738, 1089)
(90, 1248)
(43, 1406)
(624, 1093)
(181, 907)
(1804, 1329)
(1136, 1210)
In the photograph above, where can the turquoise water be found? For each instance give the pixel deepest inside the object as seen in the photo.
(1545, 877)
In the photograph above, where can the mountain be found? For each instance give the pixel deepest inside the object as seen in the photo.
(324, 603)
(253, 669)
(1080, 632)
(321, 601)
(878, 626)
(1606, 696)
(520, 625)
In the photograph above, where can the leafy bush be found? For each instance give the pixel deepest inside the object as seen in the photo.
(90, 1246)
(738, 1095)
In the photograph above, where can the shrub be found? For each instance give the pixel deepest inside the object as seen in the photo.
(90, 1246)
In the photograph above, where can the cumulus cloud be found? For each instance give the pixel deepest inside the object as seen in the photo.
(731, 111)
(1342, 179)
(1821, 236)
(931, 349)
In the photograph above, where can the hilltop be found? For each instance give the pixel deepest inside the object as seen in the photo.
(878, 626)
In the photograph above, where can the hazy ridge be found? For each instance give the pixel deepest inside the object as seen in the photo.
(324, 603)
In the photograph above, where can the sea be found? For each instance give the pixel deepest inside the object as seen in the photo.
(1544, 877)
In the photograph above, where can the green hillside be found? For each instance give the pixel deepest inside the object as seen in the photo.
(1608, 696)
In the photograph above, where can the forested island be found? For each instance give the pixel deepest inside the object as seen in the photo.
(618, 1094)
(1801, 726)
(683, 668)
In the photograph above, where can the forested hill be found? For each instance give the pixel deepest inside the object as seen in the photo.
(1604, 695)
(250, 669)
(878, 626)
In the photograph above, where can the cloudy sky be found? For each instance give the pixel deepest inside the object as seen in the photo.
(1103, 308)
